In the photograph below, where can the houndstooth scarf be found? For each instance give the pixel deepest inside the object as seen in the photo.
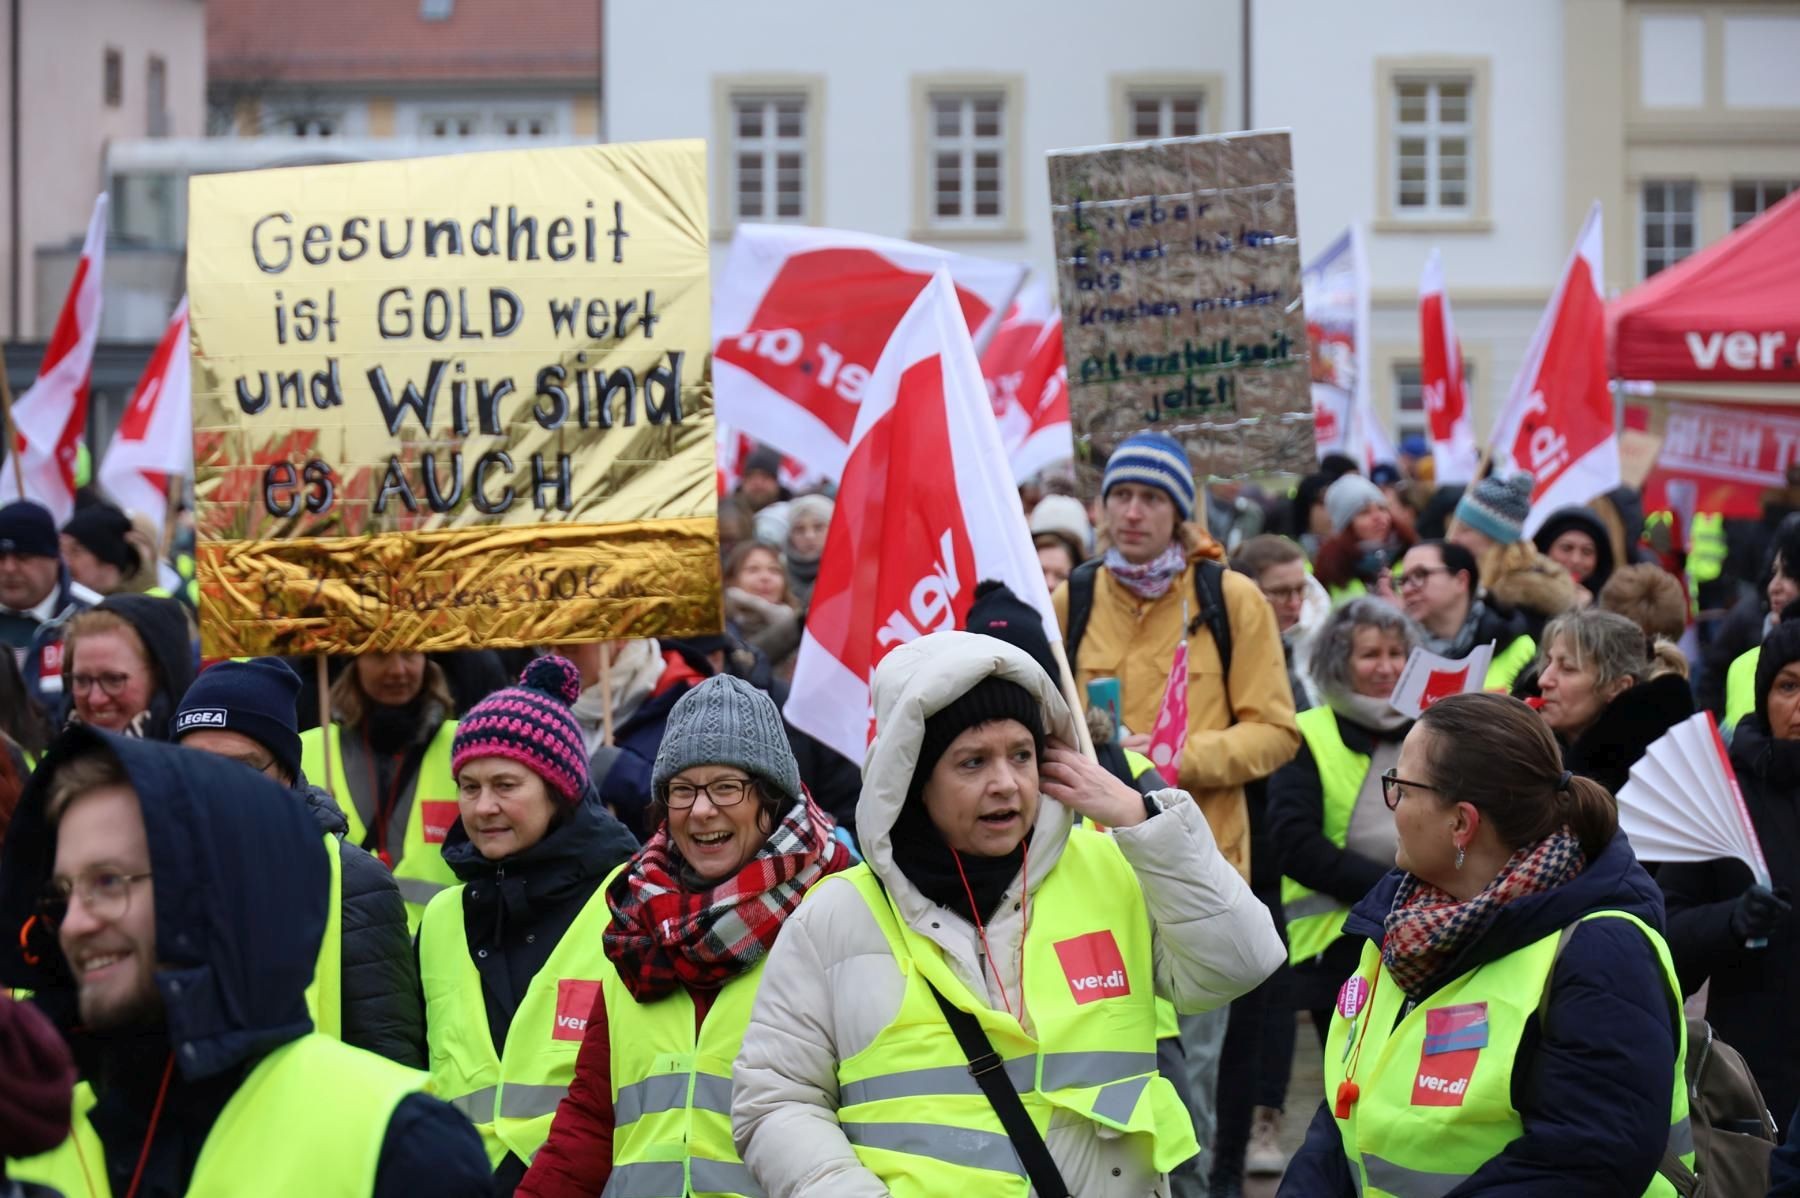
(664, 934)
(1427, 928)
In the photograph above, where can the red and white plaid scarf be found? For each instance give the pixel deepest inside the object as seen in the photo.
(664, 935)
(1427, 928)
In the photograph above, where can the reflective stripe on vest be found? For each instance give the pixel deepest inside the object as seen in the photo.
(907, 1102)
(1435, 1100)
(1315, 921)
(419, 867)
(275, 1126)
(671, 1090)
(1740, 687)
(1509, 663)
(325, 993)
(510, 1098)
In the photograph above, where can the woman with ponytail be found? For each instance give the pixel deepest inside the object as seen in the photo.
(1514, 1025)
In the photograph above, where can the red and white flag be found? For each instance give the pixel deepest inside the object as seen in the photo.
(50, 419)
(800, 315)
(1429, 677)
(1028, 381)
(1169, 736)
(921, 516)
(154, 444)
(1450, 422)
(1558, 422)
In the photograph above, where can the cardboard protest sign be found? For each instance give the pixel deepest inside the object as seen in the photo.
(1178, 268)
(454, 401)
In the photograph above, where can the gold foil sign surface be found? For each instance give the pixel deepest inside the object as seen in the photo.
(454, 402)
(1178, 269)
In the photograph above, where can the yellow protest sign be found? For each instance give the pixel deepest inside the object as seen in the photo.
(449, 402)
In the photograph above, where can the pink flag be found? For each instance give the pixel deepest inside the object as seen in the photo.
(1169, 736)
(921, 517)
(1559, 421)
(800, 315)
(1451, 425)
(154, 444)
(1029, 384)
(50, 419)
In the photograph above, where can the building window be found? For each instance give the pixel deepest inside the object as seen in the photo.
(1668, 230)
(114, 79)
(156, 98)
(452, 124)
(1409, 398)
(525, 125)
(1750, 197)
(1167, 115)
(1434, 135)
(769, 157)
(967, 156)
(436, 10)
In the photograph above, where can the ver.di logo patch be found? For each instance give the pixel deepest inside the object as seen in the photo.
(1094, 967)
(436, 818)
(574, 1003)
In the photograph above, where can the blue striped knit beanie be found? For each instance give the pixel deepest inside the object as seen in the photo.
(1152, 460)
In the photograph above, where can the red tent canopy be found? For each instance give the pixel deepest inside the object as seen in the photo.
(1728, 314)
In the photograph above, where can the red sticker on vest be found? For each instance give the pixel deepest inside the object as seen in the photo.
(1353, 995)
(1454, 1038)
(574, 1003)
(437, 817)
(1093, 966)
(52, 660)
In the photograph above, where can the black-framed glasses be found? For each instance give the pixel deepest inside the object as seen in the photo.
(105, 894)
(720, 792)
(111, 682)
(1390, 789)
(1420, 576)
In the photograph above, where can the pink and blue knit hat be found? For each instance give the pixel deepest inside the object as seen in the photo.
(531, 723)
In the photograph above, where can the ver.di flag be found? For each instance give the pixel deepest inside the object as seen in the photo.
(1429, 677)
(921, 516)
(1028, 381)
(800, 316)
(154, 443)
(50, 419)
(1449, 421)
(1558, 422)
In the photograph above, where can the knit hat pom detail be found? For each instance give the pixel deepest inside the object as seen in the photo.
(555, 676)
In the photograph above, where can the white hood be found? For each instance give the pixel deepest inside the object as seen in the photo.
(913, 683)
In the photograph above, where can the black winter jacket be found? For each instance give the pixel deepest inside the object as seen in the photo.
(517, 910)
(1754, 1002)
(1740, 631)
(382, 1011)
(241, 883)
(1613, 743)
(1592, 1080)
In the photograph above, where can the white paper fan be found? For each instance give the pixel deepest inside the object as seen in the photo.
(1683, 802)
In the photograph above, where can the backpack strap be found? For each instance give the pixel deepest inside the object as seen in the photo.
(1209, 590)
(1081, 606)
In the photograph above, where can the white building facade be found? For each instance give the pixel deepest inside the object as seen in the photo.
(1484, 130)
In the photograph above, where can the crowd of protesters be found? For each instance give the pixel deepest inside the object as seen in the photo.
(531, 921)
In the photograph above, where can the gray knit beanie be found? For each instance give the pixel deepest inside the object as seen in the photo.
(726, 721)
(1348, 496)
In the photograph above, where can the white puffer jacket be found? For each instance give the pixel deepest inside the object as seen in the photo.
(831, 983)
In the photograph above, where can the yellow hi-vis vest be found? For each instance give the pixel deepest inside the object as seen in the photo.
(325, 993)
(1435, 1101)
(671, 1091)
(419, 867)
(274, 1135)
(1509, 662)
(1707, 548)
(510, 1097)
(1740, 687)
(909, 1105)
(1315, 920)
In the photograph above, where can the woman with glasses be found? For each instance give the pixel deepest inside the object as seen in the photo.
(126, 664)
(509, 959)
(1333, 836)
(687, 924)
(1514, 1025)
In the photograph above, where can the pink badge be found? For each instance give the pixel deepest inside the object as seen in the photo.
(1353, 995)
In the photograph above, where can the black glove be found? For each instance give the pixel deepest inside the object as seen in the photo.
(1757, 912)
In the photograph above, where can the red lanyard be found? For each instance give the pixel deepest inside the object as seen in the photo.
(1025, 927)
(1348, 1091)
